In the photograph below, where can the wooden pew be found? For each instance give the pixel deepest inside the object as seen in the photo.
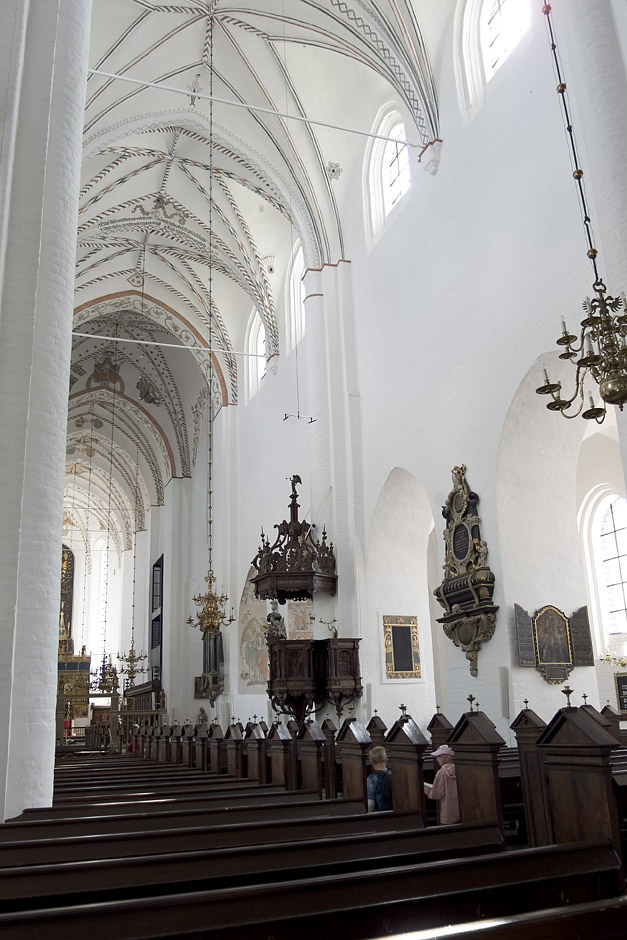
(276, 805)
(359, 903)
(62, 848)
(96, 880)
(405, 745)
(229, 797)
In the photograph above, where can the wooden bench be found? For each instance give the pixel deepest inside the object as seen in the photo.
(96, 880)
(121, 804)
(273, 806)
(65, 848)
(358, 903)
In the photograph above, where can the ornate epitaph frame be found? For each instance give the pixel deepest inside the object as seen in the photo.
(399, 632)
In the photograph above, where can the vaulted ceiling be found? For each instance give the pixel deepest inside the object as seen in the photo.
(190, 208)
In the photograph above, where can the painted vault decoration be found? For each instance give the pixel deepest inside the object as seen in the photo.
(468, 585)
(402, 647)
(553, 642)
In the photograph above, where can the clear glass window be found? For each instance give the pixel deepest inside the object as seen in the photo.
(395, 168)
(296, 297)
(256, 348)
(502, 25)
(613, 543)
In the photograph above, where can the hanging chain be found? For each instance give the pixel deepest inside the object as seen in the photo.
(210, 396)
(577, 171)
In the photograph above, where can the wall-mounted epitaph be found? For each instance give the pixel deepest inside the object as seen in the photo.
(402, 648)
(468, 585)
(552, 642)
(620, 678)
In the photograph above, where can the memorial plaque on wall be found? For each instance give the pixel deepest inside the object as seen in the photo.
(553, 642)
(620, 678)
(402, 649)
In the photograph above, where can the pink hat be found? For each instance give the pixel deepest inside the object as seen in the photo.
(443, 751)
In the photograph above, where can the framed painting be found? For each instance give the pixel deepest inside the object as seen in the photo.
(402, 647)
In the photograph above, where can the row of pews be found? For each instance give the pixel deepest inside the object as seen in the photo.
(263, 833)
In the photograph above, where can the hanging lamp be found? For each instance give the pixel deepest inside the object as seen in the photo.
(599, 351)
(211, 613)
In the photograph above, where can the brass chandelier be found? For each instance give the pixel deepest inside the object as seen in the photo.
(600, 350)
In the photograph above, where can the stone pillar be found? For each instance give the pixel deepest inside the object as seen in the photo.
(44, 48)
(333, 400)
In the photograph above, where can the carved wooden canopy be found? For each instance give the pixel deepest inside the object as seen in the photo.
(296, 564)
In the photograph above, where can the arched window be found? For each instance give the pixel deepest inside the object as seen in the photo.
(486, 32)
(612, 543)
(387, 174)
(602, 522)
(296, 297)
(395, 169)
(256, 349)
(502, 25)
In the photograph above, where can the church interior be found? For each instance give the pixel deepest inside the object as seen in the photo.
(312, 374)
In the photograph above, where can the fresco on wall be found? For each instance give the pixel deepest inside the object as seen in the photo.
(299, 625)
(253, 652)
(252, 625)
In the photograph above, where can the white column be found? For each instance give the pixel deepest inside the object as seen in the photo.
(43, 50)
(336, 458)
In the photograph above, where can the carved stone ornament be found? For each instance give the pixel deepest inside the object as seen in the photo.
(552, 642)
(296, 564)
(468, 585)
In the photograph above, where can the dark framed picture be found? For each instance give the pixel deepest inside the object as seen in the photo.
(402, 647)
(620, 678)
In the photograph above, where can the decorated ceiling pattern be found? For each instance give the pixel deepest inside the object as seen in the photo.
(190, 208)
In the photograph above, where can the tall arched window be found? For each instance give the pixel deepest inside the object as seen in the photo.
(387, 174)
(296, 297)
(396, 178)
(256, 349)
(485, 33)
(612, 542)
(502, 25)
(602, 522)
